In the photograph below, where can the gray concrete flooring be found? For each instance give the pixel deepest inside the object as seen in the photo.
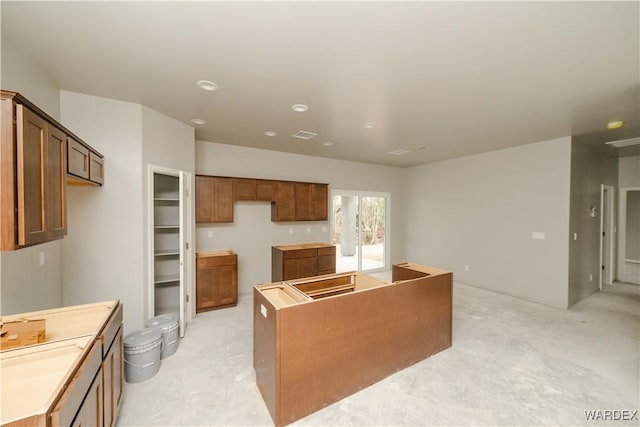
(512, 362)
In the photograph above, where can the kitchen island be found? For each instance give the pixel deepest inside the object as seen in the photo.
(320, 339)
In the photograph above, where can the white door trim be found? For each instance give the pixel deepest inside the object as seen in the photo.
(607, 195)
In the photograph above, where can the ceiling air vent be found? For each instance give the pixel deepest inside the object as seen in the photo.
(303, 134)
(624, 142)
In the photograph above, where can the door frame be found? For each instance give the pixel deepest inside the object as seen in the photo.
(187, 261)
(607, 234)
(387, 223)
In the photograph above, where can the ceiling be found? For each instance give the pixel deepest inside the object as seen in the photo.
(439, 79)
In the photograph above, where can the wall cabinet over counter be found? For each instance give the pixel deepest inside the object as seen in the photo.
(36, 165)
(290, 200)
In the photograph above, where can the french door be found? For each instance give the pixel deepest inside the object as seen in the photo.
(359, 230)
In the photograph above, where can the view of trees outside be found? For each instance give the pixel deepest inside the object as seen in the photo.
(371, 223)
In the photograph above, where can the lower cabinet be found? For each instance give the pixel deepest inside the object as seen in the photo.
(302, 260)
(91, 410)
(216, 280)
(113, 379)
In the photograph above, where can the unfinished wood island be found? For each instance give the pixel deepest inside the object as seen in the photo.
(317, 340)
(74, 378)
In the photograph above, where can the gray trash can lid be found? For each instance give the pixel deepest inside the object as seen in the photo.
(162, 321)
(142, 338)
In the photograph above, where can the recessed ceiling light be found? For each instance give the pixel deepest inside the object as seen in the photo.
(369, 125)
(198, 121)
(207, 85)
(327, 143)
(300, 108)
(616, 124)
(398, 152)
(270, 133)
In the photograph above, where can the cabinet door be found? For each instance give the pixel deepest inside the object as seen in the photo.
(113, 380)
(284, 208)
(223, 199)
(77, 159)
(31, 177)
(319, 205)
(303, 202)
(215, 285)
(56, 166)
(204, 199)
(90, 413)
(300, 267)
(245, 189)
(96, 168)
(266, 190)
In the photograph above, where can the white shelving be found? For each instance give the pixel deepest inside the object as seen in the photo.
(166, 244)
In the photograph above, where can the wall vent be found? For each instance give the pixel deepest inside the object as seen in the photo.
(303, 134)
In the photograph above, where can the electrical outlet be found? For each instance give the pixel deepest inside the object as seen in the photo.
(42, 258)
(591, 277)
(575, 236)
(210, 234)
(537, 235)
(466, 268)
(290, 230)
(308, 230)
(324, 229)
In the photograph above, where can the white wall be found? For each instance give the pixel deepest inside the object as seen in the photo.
(481, 211)
(25, 285)
(628, 176)
(103, 252)
(171, 144)
(252, 233)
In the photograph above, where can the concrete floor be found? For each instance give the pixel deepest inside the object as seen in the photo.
(512, 363)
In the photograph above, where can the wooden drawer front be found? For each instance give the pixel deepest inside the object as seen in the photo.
(96, 168)
(67, 407)
(327, 251)
(111, 329)
(216, 261)
(266, 190)
(327, 263)
(300, 253)
(77, 159)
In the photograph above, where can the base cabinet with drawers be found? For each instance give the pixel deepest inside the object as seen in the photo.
(303, 260)
(216, 280)
(74, 378)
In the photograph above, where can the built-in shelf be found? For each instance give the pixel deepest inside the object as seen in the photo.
(166, 226)
(167, 278)
(166, 199)
(166, 252)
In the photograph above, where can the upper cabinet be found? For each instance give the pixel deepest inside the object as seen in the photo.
(34, 158)
(214, 199)
(84, 165)
(290, 201)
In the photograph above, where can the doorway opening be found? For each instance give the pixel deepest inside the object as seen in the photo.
(606, 235)
(360, 230)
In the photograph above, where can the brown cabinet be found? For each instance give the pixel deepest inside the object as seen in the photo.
(216, 280)
(113, 379)
(84, 164)
(33, 155)
(311, 202)
(284, 209)
(266, 190)
(303, 260)
(214, 199)
(290, 201)
(34, 151)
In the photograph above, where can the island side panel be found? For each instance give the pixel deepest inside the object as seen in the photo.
(265, 351)
(334, 347)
